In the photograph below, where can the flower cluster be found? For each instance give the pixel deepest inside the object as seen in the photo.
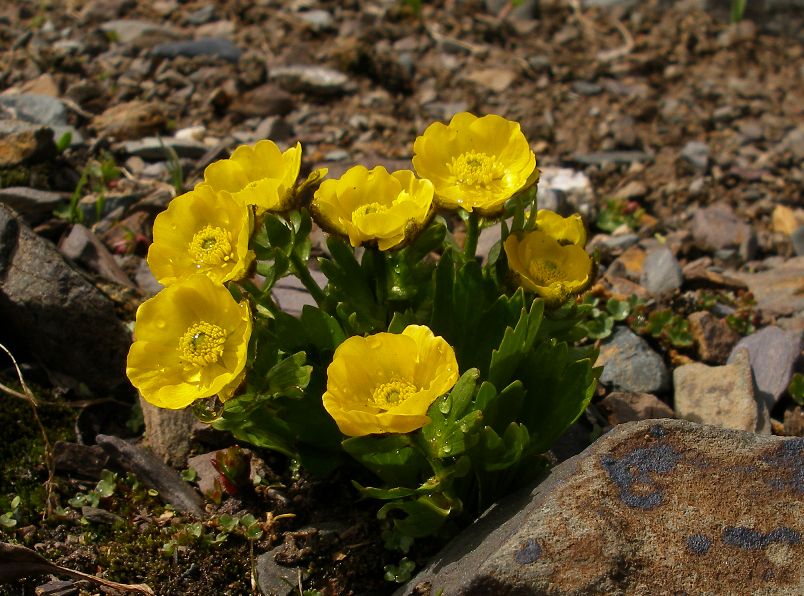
(445, 375)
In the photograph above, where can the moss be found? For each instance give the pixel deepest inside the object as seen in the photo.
(22, 454)
(14, 177)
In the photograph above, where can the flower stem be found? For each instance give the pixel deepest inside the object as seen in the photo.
(303, 273)
(472, 233)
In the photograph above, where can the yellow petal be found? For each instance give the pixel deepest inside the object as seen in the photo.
(191, 342)
(386, 382)
(374, 206)
(475, 163)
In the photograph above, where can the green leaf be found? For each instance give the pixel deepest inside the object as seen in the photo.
(351, 288)
(254, 419)
(796, 388)
(107, 484)
(560, 383)
(322, 330)
(402, 572)
(461, 435)
(254, 532)
(500, 409)
(228, 522)
(425, 515)
(384, 494)
(516, 343)
(498, 453)
(599, 328)
(441, 320)
(401, 320)
(393, 458)
(444, 436)
(618, 309)
(289, 376)
(278, 233)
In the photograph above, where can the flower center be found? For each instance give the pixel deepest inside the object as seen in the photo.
(475, 169)
(544, 272)
(369, 208)
(202, 343)
(390, 394)
(211, 246)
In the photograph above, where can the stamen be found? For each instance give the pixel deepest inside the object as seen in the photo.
(544, 272)
(390, 394)
(369, 208)
(211, 246)
(202, 344)
(474, 168)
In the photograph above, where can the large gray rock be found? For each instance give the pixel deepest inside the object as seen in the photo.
(773, 353)
(653, 507)
(721, 395)
(64, 320)
(630, 364)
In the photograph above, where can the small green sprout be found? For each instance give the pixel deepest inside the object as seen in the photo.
(796, 388)
(617, 212)
(400, 573)
(10, 518)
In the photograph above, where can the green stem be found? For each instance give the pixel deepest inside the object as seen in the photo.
(303, 273)
(472, 233)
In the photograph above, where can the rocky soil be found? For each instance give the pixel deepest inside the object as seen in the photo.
(677, 135)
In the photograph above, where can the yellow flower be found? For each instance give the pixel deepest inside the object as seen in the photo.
(190, 342)
(374, 206)
(385, 383)
(545, 267)
(475, 163)
(566, 230)
(259, 175)
(201, 232)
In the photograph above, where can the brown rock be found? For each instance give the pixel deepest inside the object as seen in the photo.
(86, 461)
(630, 264)
(698, 275)
(717, 227)
(794, 421)
(83, 247)
(721, 395)
(778, 291)
(494, 79)
(266, 100)
(785, 220)
(130, 120)
(44, 84)
(167, 433)
(712, 336)
(653, 507)
(621, 288)
(24, 142)
(622, 406)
